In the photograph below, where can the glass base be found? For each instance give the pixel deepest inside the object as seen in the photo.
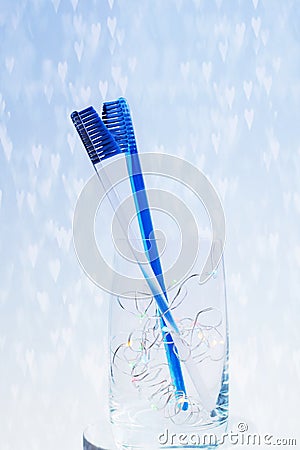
(98, 436)
(134, 438)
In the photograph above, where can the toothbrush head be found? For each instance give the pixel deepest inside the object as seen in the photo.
(96, 138)
(117, 118)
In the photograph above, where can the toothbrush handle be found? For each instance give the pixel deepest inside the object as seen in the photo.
(150, 246)
(144, 215)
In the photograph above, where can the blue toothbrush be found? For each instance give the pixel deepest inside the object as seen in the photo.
(100, 145)
(116, 116)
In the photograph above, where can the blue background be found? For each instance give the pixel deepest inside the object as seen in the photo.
(215, 82)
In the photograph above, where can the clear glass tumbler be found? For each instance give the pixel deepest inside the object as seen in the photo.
(147, 410)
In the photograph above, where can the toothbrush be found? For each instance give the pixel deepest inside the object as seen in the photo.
(116, 116)
(101, 145)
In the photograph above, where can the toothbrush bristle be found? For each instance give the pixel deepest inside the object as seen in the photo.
(116, 116)
(84, 137)
(96, 138)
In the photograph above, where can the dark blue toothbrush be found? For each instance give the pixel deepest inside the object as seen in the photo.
(116, 116)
